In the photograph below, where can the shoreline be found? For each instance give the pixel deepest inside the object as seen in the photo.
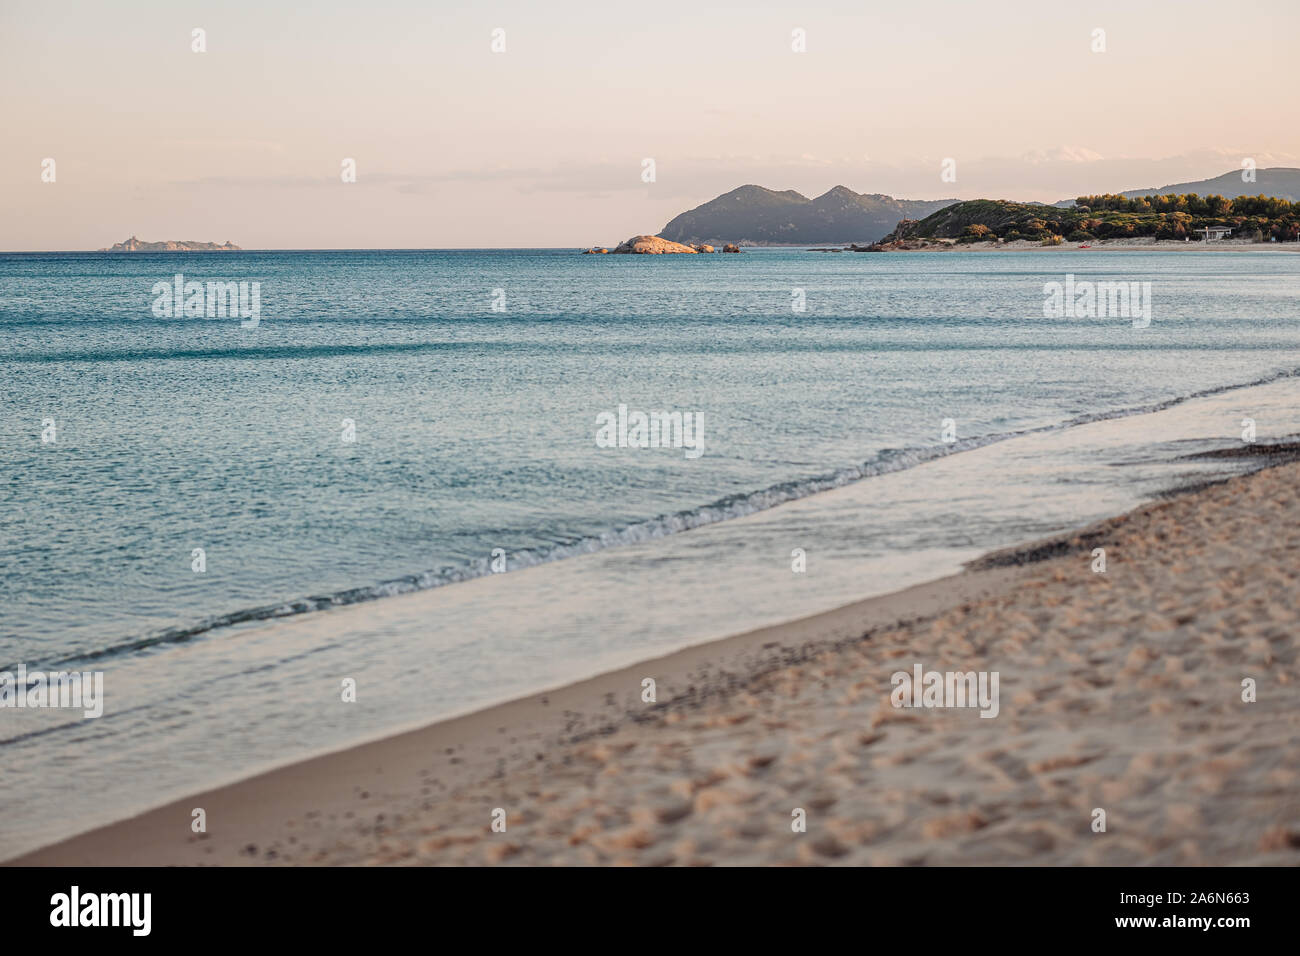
(425, 795)
(449, 670)
(275, 610)
(150, 838)
(1107, 245)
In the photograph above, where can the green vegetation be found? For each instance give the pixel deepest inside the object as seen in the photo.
(1108, 217)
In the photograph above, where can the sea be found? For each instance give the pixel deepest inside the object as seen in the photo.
(394, 474)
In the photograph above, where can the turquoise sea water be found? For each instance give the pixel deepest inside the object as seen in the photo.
(475, 434)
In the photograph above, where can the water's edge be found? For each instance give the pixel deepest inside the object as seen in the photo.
(613, 666)
(734, 506)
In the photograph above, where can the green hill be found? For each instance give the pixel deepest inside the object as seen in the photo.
(1171, 216)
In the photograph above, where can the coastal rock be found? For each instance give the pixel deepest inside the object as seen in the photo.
(651, 246)
(701, 247)
(731, 247)
(596, 251)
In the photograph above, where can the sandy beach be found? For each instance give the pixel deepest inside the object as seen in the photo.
(1120, 690)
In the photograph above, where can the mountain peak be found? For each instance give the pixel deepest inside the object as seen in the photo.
(755, 214)
(752, 191)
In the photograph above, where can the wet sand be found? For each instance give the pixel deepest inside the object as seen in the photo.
(1119, 691)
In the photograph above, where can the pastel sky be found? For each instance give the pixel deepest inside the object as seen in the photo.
(542, 145)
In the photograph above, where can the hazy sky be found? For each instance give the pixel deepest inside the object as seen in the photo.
(542, 145)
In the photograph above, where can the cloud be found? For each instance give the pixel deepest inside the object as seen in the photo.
(1062, 154)
(1046, 174)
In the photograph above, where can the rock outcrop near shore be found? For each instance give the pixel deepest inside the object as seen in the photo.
(656, 246)
(651, 246)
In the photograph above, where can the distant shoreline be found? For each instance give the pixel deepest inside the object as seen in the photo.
(1109, 245)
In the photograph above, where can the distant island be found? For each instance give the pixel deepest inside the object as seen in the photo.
(753, 215)
(170, 245)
